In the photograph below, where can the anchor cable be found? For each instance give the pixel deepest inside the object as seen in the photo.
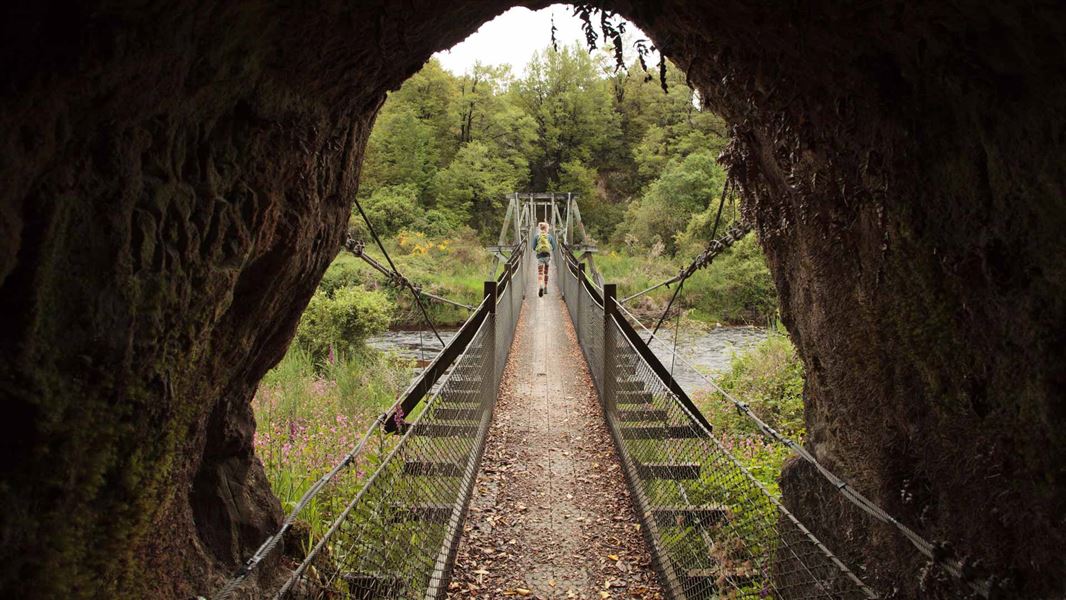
(403, 279)
(695, 264)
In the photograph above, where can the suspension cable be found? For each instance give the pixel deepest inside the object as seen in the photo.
(356, 248)
(404, 280)
(931, 551)
(738, 230)
(688, 271)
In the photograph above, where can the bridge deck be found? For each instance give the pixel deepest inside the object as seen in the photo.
(551, 513)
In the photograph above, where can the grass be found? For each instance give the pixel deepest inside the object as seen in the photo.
(736, 288)
(769, 378)
(310, 415)
(453, 268)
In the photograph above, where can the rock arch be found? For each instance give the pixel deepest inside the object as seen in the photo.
(176, 179)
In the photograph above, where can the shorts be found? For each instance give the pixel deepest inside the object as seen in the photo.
(544, 258)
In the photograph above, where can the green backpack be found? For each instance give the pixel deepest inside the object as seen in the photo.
(544, 244)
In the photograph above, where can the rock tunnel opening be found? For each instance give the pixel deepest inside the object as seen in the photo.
(176, 182)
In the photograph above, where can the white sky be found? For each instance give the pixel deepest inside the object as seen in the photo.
(514, 36)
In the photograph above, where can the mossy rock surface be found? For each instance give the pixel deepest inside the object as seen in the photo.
(176, 181)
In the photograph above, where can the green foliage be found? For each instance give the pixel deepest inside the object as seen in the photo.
(598, 215)
(476, 183)
(345, 271)
(687, 188)
(392, 208)
(342, 320)
(401, 151)
(658, 127)
(454, 266)
(446, 149)
(430, 95)
(571, 105)
(735, 288)
(769, 377)
(309, 414)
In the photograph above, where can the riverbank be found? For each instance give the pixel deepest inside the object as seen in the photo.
(734, 290)
(310, 412)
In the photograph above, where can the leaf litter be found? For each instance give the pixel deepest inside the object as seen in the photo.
(551, 515)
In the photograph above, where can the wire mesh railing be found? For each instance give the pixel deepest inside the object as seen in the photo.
(713, 529)
(396, 538)
(396, 502)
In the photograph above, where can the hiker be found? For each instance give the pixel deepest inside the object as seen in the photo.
(543, 245)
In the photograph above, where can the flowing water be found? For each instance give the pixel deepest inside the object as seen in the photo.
(419, 346)
(709, 351)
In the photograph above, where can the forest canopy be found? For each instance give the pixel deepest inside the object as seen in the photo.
(446, 150)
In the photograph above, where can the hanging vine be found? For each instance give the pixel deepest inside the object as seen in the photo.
(611, 28)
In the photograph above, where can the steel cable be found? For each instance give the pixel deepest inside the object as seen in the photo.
(709, 522)
(385, 252)
(356, 249)
(850, 493)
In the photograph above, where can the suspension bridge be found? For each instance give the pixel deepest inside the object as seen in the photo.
(398, 504)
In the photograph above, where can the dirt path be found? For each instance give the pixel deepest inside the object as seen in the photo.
(550, 516)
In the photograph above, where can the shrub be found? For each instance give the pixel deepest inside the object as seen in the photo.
(342, 320)
(736, 288)
(345, 271)
(687, 187)
(769, 377)
(391, 208)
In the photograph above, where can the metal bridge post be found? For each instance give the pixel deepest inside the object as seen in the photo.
(490, 292)
(490, 295)
(610, 295)
(580, 276)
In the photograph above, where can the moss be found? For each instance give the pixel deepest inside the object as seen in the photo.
(903, 170)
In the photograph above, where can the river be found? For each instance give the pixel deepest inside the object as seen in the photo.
(709, 350)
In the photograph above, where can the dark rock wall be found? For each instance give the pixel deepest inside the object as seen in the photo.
(904, 164)
(176, 178)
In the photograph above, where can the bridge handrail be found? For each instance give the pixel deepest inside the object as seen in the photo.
(388, 421)
(425, 381)
(619, 358)
(848, 491)
(625, 321)
(405, 434)
(638, 345)
(398, 530)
